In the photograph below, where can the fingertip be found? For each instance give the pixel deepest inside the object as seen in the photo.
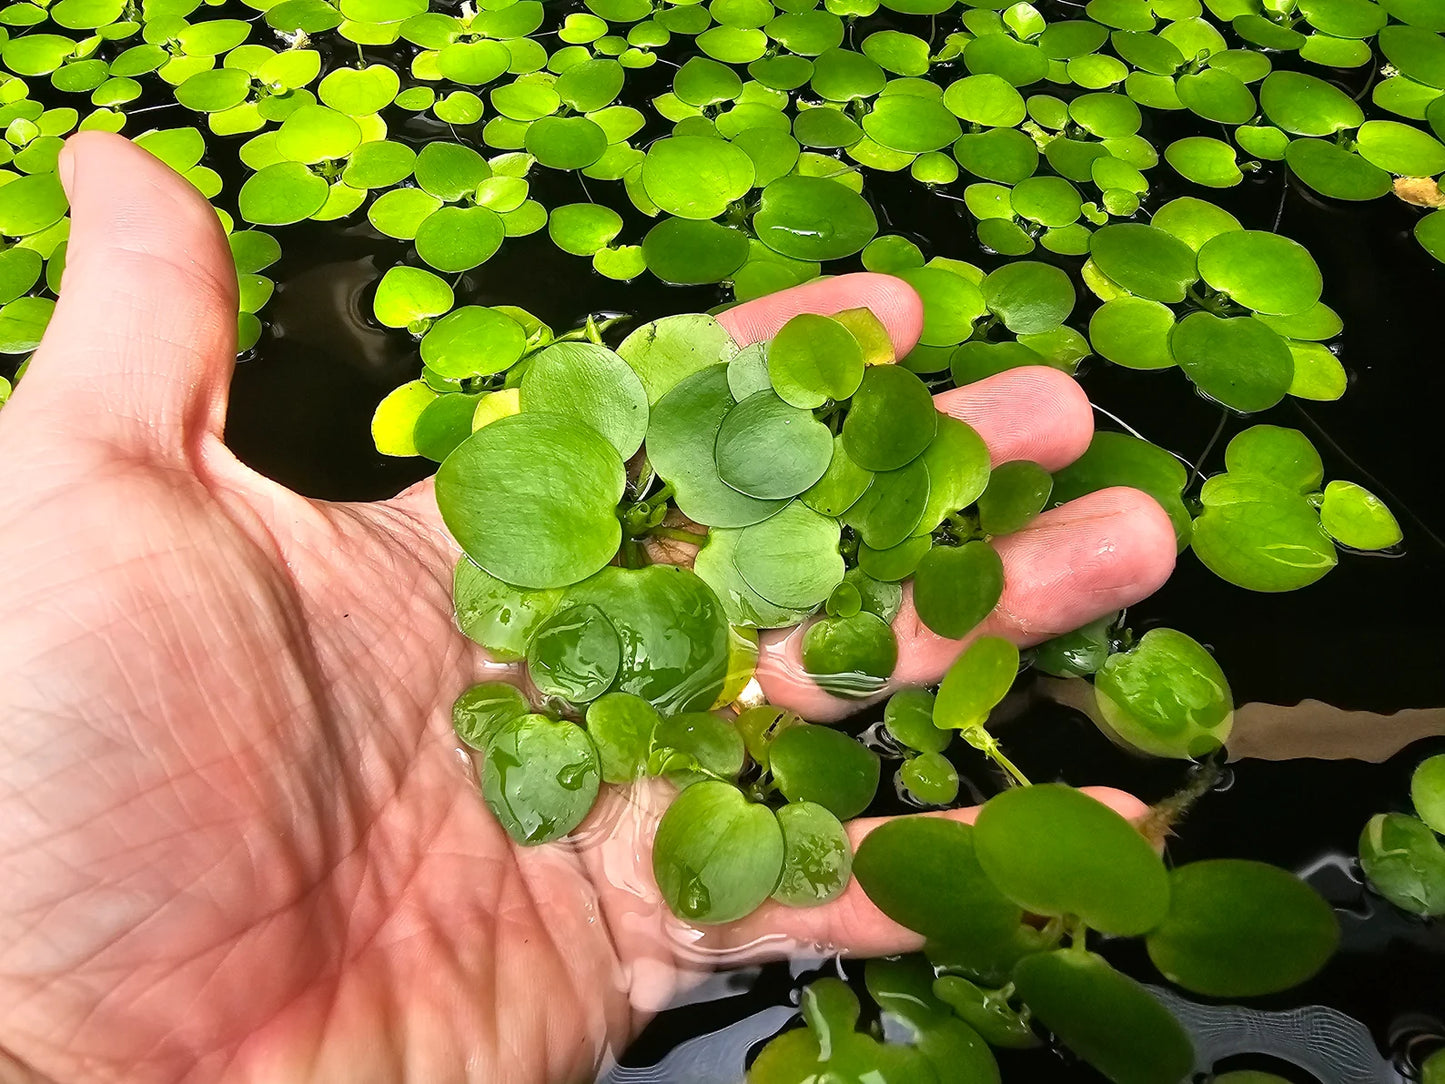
(1102, 552)
(890, 299)
(1035, 412)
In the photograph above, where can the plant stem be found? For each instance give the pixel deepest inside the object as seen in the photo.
(677, 534)
(988, 745)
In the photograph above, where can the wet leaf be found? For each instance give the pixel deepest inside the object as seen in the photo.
(850, 656)
(539, 777)
(716, 855)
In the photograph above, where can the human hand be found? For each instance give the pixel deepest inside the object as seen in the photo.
(236, 836)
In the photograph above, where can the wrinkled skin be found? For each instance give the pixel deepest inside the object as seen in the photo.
(237, 841)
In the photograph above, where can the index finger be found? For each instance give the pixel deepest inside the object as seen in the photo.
(891, 299)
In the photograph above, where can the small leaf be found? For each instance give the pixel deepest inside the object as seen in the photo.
(1355, 517)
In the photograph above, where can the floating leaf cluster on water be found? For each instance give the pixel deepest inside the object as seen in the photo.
(1402, 855)
(742, 143)
(1224, 928)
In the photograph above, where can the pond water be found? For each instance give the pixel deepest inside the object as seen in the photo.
(1366, 640)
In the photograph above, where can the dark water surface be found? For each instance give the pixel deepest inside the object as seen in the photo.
(1366, 638)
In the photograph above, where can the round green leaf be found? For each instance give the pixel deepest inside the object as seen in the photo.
(822, 765)
(275, 195)
(1054, 850)
(771, 450)
(813, 359)
(574, 654)
(566, 142)
(1166, 696)
(681, 445)
(956, 587)
(696, 177)
(1280, 455)
(1210, 162)
(791, 559)
(1133, 332)
(1237, 361)
(1335, 172)
(1217, 95)
(1194, 221)
(359, 92)
(689, 252)
(1106, 1018)
(1304, 105)
(891, 421)
(621, 727)
(850, 656)
(459, 238)
(908, 716)
(583, 229)
(1145, 260)
(817, 856)
(1405, 863)
(1017, 492)
(716, 856)
(1262, 271)
(406, 295)
(1029, 297)
(31, 204)
(923, 873)
(539, 777)
(1399, 148)
(813, 218)
(1415, 53)
(904, 122)
(1261, 535)
(472, 341)
(594, 386)
(315, 134)
(1000, 154)
(532, 499)
(483, 709)
(1241, 929)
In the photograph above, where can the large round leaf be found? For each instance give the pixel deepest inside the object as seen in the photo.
(1259, 534)
(814, 218)
(1145, 260)
(1054, 850)
(532, 499)
(716, 856)
(1262, 271)
(1241, 929)
(1238, 361)
(694, 176)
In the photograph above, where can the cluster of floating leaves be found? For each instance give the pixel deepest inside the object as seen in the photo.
(768, 130)
(1223, 928)
(814, 478)
(823, 475)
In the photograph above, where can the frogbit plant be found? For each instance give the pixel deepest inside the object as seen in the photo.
(1402, 855)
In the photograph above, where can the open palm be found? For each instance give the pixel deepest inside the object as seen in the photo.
(237, 838)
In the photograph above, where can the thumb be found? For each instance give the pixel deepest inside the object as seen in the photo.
(141, 346)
